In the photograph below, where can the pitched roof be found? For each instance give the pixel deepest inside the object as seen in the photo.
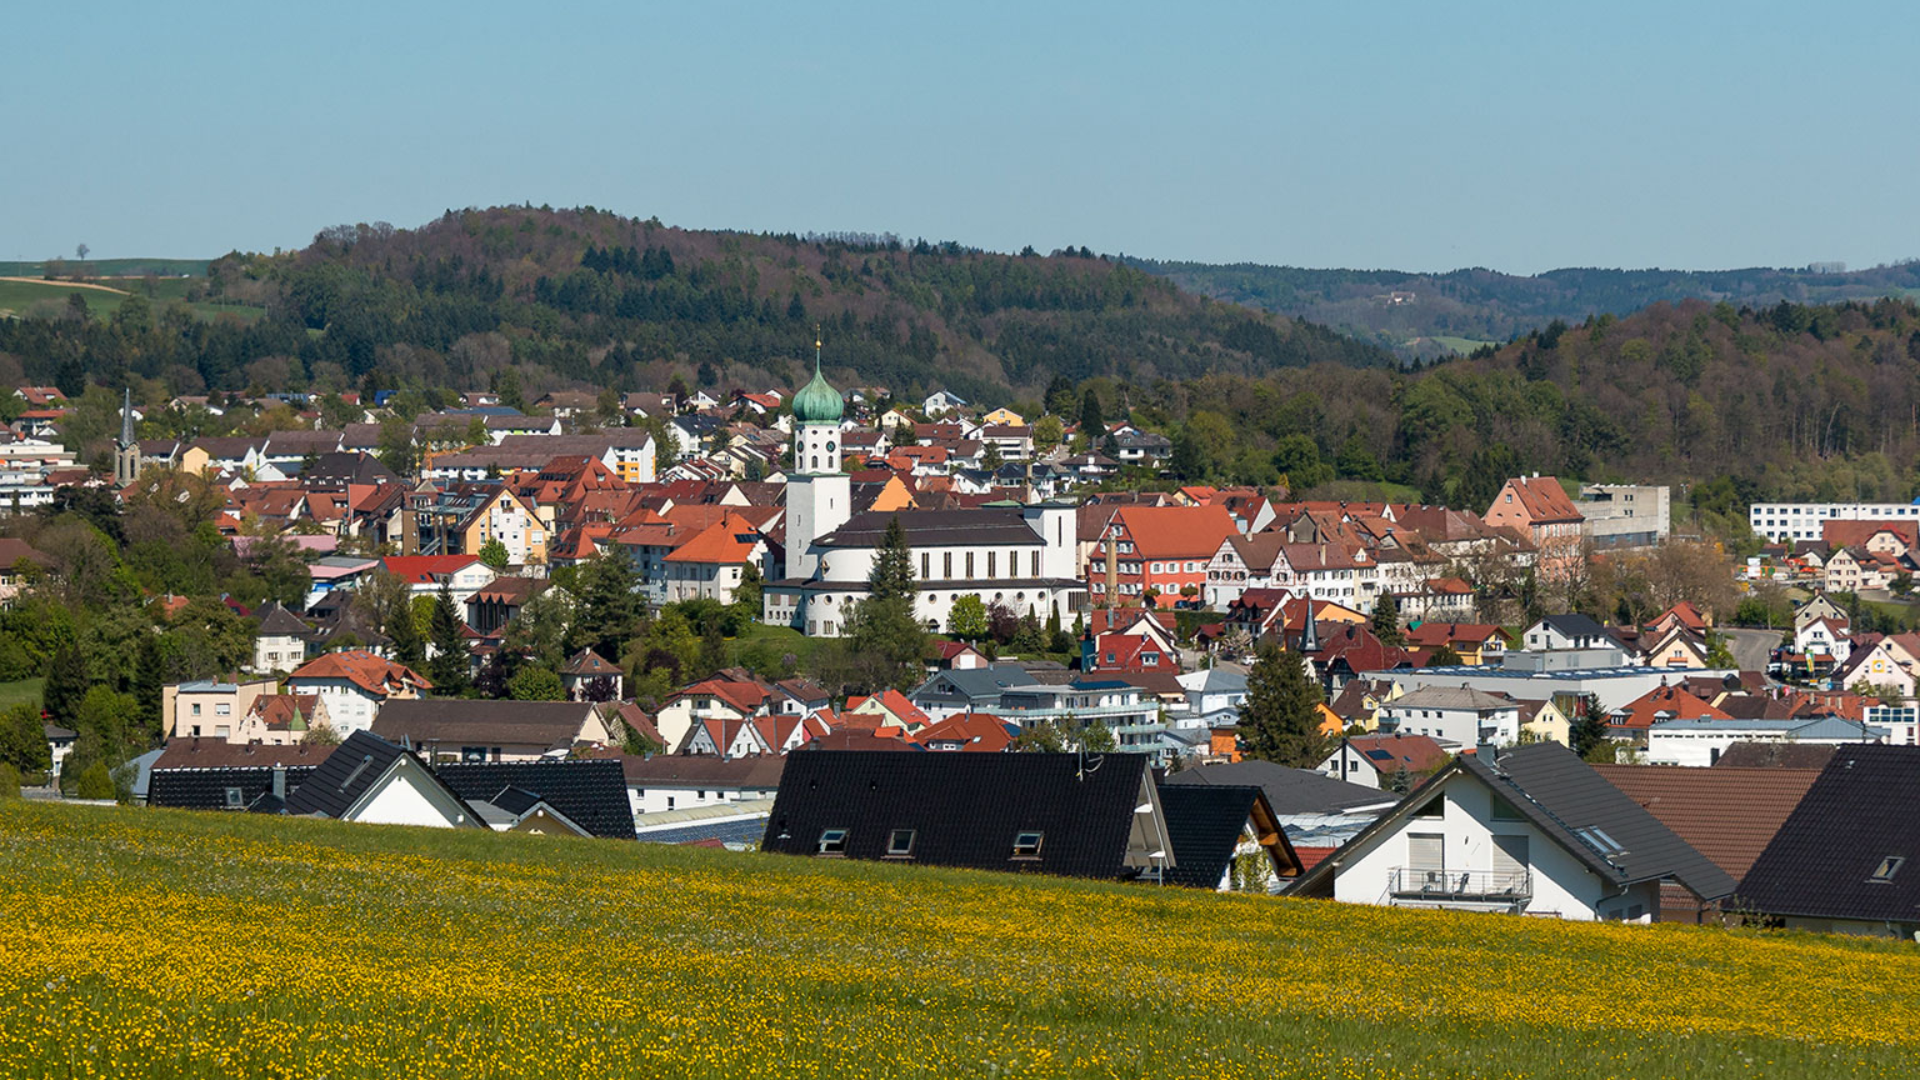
(965, 809)
(1388, 753)
(1543, 500)
(1728, 815)
(679, 770)
(276, 620)
(423, 722)
(1204, 825)
(976, 732)
(1450, 697)
(726, 542)
(589, 664)
(591, 793)
(207, 787)
(427, 569)
(1775, 755)
(1176, 532)
(375, 674)
(1663, 703)
(1857, 815)
(349, 773)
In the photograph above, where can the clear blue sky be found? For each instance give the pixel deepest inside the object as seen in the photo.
(1520, 136)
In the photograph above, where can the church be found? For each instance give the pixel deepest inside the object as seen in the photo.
(1018, 556)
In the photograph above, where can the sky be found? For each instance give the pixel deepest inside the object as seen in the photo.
(1518, 136)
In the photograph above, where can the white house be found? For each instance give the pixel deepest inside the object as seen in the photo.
(354, 684)
(667, 782)
(281, 643)
(371, 780)
(1535, 831)
(1457, 714)
(942, 401)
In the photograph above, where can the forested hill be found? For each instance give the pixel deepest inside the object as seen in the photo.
(588, 298)
(1427, 314)
(1731, 403)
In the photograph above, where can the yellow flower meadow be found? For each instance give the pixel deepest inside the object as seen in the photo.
(157, 943)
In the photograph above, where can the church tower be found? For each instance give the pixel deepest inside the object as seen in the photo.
(126, 449)
(819, 495)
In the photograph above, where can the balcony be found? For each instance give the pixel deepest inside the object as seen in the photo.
(1460, 888)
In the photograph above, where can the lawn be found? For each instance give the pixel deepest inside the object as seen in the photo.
(19, 297)
(145, 942)
(12, 693)
(1461, 345)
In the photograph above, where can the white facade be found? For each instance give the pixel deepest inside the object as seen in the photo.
(349, 708)
(278, 652)
(1802, 521)
(1467, 834)
(1461, 726)
(1699, 743)
(407, 796)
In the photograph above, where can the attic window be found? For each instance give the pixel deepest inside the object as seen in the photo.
(833, 842)
(1026, 845)
(900, 843)
(236, 799)
(365, 761)
(1889, 866)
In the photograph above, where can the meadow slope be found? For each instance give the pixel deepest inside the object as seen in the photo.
(169, 943)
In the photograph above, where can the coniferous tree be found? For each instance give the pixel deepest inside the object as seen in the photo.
(66, 686)
(449, 670)
(149, 686)
(1092, 424)
(1386, 620)
(893, 576)
(23, 739)
(884, 635)
(408, 646)
(1280, 721)
(607, 611)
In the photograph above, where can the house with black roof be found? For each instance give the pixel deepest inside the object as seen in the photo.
(1309, 807)
(1227, 838)
(459, 729)
(370, 779)
(1092, 816)
(587, 796)
(213, 774)
(1534, 831)
(1847, 860)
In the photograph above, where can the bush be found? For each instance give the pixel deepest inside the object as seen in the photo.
(9, 781)
(96, 782)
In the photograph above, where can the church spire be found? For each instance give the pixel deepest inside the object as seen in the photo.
(126, 419)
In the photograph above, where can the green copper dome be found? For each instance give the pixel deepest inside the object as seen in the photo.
(817, 402)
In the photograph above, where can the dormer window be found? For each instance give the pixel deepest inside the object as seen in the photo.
(1889, 866)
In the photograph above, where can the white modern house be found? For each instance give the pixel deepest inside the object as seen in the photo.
(1803, 521)
(1457, 714)
(368, 779)
(1535, 831)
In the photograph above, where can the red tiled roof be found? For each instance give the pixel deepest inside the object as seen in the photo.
(374, 674)
(1311, 857)
(1727, 814)
(1176, 532)
(427, 569)
(1665, 703)
(1543, 500)
(727, 542)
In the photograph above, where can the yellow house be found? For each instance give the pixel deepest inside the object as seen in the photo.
(194, 460)
(894, 496)
(1546, 722)
(514, 521)
(1004, 415)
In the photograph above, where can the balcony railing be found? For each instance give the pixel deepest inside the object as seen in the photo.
(1408, 883)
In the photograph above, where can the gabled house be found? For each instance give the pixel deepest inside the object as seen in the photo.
(1016, 813)
(355, 684)
(281, 642)
(1475, 643)
(587, 671)
(1847, 860)
(1384, 761)
(970, 732)
(1459, 715)
(585, 797)
(719, 698)
(1876, 665)
(1533, 831)
(1569, 631)
(369, 779)
(1631, 721)
(1540, 508)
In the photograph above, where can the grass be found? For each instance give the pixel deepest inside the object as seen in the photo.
(12, 693)
(1461, 345)
(172, 943)
(114, 267)
(20, 298)
(761, 647)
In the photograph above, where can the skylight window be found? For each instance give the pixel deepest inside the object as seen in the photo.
(1026, 845)
(900, 843)
(1888, 867)
(833, 842)
(1598, 837)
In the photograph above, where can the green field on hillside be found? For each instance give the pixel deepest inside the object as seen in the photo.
(150, 943)
(27, 690)
(20, 297)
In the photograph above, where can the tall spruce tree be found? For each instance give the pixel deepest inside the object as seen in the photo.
(1386, 620)
(607, 611)
(451, 658)
(1092, 424)
(408, 646)
(884, 633)
(1280, 721)
(892, 576)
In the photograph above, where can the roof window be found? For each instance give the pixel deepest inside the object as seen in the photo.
(1026, 845)
(1598, 837)
(1889, 866)
(900, 843)
(833, 842)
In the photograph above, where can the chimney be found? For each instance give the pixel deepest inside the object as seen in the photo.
(280, 782)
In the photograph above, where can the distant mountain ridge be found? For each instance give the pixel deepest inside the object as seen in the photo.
(1429, 314)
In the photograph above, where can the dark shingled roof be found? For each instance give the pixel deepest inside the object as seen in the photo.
(206, 788)
(1204, 824)
(1289, 791)
(348, 772)
(592, 793)
(1563, 796)
(1858, 814)
(965, 809)
(1772, 755)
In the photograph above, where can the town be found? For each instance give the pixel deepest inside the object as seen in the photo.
(761, 619)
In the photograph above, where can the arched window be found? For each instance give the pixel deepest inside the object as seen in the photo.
(816, 461)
